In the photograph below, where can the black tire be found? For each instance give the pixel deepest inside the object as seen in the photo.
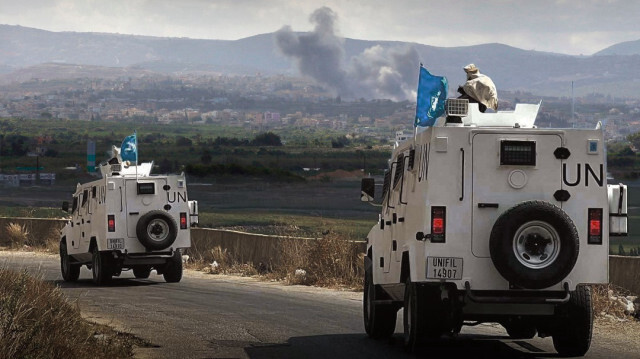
(142, 272)
(519, 329)
(379, 319)
(574, 324)
(156, 230)
(425, 316)
(412, 321)
(70, 271)
(101, 267)
(534, 245)
(173, 269)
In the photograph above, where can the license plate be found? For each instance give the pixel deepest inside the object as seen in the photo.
(115, 243)
(444, 268)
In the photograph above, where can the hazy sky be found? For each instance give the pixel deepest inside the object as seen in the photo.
(564, 26)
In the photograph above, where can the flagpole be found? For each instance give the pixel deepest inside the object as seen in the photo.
(415, 124)
(135, 137)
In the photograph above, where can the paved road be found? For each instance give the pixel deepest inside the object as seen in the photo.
(207, 316)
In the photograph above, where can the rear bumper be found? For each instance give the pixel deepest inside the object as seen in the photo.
(153, 258)
(518, 296)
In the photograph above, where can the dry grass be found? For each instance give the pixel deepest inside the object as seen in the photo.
(17, 235)
(50, 243)
(604, 306)
(218, 261)
(329, 261)
(37, 322)
(612, 323)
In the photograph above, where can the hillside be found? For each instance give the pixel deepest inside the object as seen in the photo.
(511, 68)
(623, 48)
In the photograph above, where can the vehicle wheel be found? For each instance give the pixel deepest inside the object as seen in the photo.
(141, 272)
(101, 267)
(412, 322)
(379, 319)
(173, 269)
(519, 329)
(425, 316)
(534, 245)
(572, 336)
(156, 230)
(70, 271)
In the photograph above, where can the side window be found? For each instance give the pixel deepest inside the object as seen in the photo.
(397, 176)
(75, 205)
(423, 167)
(93, 192)
(85, 197)
(387, 183)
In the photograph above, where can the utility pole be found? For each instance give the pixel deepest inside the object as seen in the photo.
(573, 103)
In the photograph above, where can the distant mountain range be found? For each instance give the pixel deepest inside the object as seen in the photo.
(623, 48)
(612, 71)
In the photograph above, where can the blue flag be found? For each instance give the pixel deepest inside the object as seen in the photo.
(432, 95)
(129, 149)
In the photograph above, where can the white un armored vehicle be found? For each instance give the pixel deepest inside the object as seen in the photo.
(492, 220)
(129, 219)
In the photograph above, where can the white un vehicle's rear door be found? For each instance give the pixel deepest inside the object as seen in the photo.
(508, 169)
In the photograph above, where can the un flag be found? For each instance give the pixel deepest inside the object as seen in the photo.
(432, 95)
(129, 149)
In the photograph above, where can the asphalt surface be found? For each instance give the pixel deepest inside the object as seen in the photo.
(211, 316)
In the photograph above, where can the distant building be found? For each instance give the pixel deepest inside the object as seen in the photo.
(47, 178)
(403, 136)
(10, 180)
(271, 118)
(27, 179)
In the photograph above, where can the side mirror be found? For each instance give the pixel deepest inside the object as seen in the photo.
(65, 206)
(367, 190)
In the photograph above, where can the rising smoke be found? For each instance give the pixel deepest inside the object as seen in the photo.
(377, 72)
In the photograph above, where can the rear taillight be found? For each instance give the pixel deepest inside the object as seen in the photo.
(595, 226)
(438, 224)
(111, 223)
(183, 220)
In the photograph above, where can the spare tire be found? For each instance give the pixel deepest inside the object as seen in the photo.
(156, 230)
(534, 245)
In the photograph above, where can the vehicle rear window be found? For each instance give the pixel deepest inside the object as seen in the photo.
(518, 153)
(146, 188)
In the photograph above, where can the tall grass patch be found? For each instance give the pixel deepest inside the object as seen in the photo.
(25, 233)
(218, 260)
(37, 322)
(17, 235)
(329, 261)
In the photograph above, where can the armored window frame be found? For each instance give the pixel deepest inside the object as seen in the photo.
(386, 184)
(74, 206)
(85, 197)
(146, 188)
(517, 153)
(397, 176)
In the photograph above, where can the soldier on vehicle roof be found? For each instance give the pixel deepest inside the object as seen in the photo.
(479, 89)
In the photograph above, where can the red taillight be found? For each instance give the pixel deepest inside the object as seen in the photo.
(111, 223)
(183, 220)
(438, 224)
(595, 226)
